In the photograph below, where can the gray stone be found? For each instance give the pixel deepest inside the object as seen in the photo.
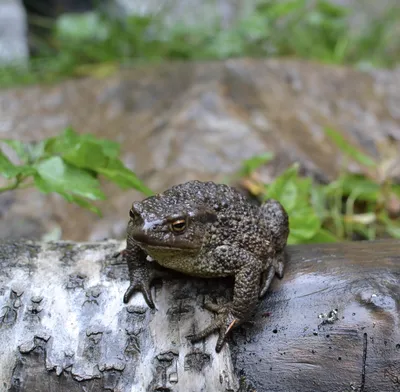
(13, 32)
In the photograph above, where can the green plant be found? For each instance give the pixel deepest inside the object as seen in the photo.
(365, 205)
(69, 164)
(97, 44)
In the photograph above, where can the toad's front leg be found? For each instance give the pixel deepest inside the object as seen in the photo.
(245, 297)
(141, 273)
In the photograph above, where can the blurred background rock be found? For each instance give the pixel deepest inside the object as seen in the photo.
(277, 74)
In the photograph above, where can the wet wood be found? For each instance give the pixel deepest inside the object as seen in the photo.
(331, 324)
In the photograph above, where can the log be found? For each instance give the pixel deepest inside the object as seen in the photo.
(331, 324)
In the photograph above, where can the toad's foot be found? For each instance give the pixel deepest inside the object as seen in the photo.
(225, 322)
(141, 282)
(267, 276)
(141, 275)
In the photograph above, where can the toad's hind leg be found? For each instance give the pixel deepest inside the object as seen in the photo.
(276, 268)
(245, 296)
(266, 280)
(276, 223)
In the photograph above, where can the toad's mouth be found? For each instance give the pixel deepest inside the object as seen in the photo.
(148, 242)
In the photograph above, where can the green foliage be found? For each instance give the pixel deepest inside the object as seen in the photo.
(353, 206)
(295, 194)
(96, 44)
(69, 164)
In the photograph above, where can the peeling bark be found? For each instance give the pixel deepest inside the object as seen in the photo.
(331, 324)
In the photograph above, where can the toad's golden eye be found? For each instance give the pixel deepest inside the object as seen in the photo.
(132, 213)
(178, 226)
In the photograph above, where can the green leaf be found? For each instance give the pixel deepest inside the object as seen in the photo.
(82, 150)
(82, 203)
(18, 147)
(331, 10)
(292, 191)
(55, 175)
(392, 227)
(393, 230)
(275, 10)
(62, 143)
(99, 155)
(348, 149)
(276, 189)
(86, 155)
(365, 188)
(110, 148)
(304, 225)
(319, 201)
(79, 27)
(252, 164)
(35, 151)
(45, 187)
(125, 178)
(27, 152)
(7, 168)
(322, 236)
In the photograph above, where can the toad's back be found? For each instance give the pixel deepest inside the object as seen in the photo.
(241, 223)
(217, 196)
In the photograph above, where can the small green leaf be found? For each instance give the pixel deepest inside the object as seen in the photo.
(392, 227)
(321, 237)
(252, 164)
(27, 152)
(80, 201)
(80, 27)
(55, 175)
(288, 197)
(18, 147)
(319, 201)
(86, 155)
(35, 151)
(365, 188)
(62, 143)
(7, 168)
(292, 191)
(348, 149)
(276, 189)
(304, 224)
(276, 10)
(125, 178)
(110, 148)
(331, 10)
(393, 230)
(98, 155)
(82, 150)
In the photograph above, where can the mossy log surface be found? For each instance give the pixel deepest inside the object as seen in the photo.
(331, 324)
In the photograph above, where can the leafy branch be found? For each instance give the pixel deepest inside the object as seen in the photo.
(69, 164)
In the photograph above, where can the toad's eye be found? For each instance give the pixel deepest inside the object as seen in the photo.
(132, 213)
(178, 226)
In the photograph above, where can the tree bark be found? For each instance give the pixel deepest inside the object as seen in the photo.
(331, 324)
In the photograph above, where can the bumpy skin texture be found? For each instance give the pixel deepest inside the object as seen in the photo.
(207, 230)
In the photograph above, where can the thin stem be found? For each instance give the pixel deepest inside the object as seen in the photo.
(16, 185)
